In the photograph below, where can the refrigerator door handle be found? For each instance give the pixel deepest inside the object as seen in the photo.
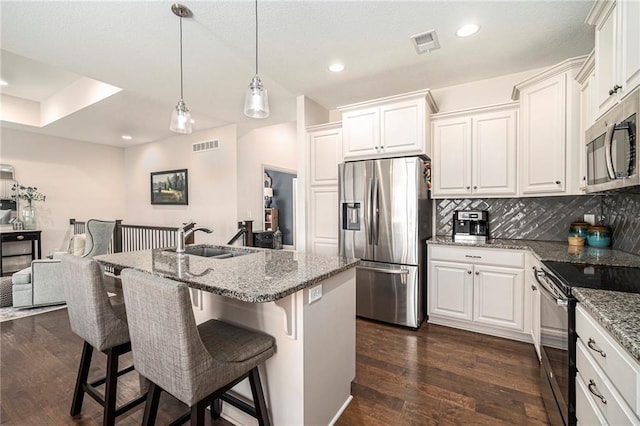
(376, 212)
(369, 213)
(385, 271)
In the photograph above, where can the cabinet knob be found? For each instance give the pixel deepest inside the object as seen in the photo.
(469, 272)
(557, 182)
(468, 187)
(615, 89)
(20, 237)
(533, 287)
(475, 187)
(477, 273)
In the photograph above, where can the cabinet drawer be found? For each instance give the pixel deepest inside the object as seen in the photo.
(617, 365)
(478, 256)
(614, 409)
(587, 412)
(19, 236)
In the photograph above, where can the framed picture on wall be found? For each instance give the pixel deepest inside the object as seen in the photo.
(170, 187)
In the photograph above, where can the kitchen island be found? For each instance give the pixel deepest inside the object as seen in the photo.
(306, 301)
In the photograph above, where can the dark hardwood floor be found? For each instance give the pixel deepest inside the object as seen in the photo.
(436, 375)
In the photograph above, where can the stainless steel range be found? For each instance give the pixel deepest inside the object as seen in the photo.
(557, 326)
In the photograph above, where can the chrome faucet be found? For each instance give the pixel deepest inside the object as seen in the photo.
(183, 234)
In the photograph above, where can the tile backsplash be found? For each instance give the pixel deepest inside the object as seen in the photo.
(548, 218)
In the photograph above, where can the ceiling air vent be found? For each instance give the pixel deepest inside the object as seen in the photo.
(205, 146)
(425, 42)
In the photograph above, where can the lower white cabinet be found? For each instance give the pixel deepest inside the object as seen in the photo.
(609, 374)
(533, 291)
(323, 220)
(478, 289)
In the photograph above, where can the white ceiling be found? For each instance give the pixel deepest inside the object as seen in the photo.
(135, 46)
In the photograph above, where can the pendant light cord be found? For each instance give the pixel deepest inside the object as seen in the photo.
(256, 37)
(181, 88)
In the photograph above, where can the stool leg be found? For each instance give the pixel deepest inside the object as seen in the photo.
(197, 414)
(111, 385)
(258, 398)
(81, 380)
(151, 406)
(216, 408)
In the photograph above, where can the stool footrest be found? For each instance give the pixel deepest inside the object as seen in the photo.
(239, 404)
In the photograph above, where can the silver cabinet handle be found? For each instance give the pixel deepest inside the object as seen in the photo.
(472, 257)
(592, 386)
(592, 345)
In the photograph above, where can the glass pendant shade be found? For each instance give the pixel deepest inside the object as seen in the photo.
(181, 119)
(256, 101)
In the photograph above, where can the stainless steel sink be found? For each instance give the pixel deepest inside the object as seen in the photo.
(217, 252)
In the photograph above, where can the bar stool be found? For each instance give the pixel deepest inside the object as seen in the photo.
(102, 327)
(196, 364)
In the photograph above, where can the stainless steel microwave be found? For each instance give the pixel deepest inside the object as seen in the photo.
(612, 148)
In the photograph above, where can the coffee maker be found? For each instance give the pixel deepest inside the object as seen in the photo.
(471, 226)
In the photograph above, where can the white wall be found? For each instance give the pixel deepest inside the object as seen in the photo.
(213, 190)
(274, 146)
(80, 180)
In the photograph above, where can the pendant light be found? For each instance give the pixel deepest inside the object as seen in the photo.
(256, 101)
(181, 117)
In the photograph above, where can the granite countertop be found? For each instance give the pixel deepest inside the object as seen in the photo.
(262, 275)
(557, 251)
(616, 311)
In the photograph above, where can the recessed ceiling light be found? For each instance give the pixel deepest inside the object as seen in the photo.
(467, 30)
(3, 83)
(336, 67)
(126, 137)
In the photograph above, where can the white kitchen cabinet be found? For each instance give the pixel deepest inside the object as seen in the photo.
(549, 127)
(323, 220)
(498, 296)
(451, 290)
(617, 50)
(475, 152)
(325, 153)
(478, 289)
(532, 287)
(388, 127)
(586, 78)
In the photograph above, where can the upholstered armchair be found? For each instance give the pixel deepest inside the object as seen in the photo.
(41, 283)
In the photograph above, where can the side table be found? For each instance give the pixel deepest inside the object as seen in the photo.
(8, 237)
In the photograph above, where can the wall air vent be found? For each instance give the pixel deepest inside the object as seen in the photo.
(426, 42)
(205, 146)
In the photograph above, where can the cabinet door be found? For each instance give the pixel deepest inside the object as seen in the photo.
(534, 294)
(402, 127)
(323, 220)
(630, 48)
(450, 290)
(587, 118)
(543, 127)
(494, 153)
(498, 297)
(361, 132)
(451, 165)
(325, 151)
(606, 59)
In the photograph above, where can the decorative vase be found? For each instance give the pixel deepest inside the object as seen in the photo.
(599, 236)
(29, 217)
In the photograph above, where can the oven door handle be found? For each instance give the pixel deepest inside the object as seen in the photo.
(608, 146)
(560, 300)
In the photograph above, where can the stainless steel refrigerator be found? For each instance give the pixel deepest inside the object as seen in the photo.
(385, 219)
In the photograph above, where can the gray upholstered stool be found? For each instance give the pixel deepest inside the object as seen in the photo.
(196, 364)
(103, 327)
(6, 292)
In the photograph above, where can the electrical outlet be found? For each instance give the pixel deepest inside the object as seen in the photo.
(590, 218)
(315, 293)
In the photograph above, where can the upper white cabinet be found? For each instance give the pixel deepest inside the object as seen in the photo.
(617, 50)
(475, 152)
(388, 127)
(549, 130)
(325, 152)
(587, 79)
